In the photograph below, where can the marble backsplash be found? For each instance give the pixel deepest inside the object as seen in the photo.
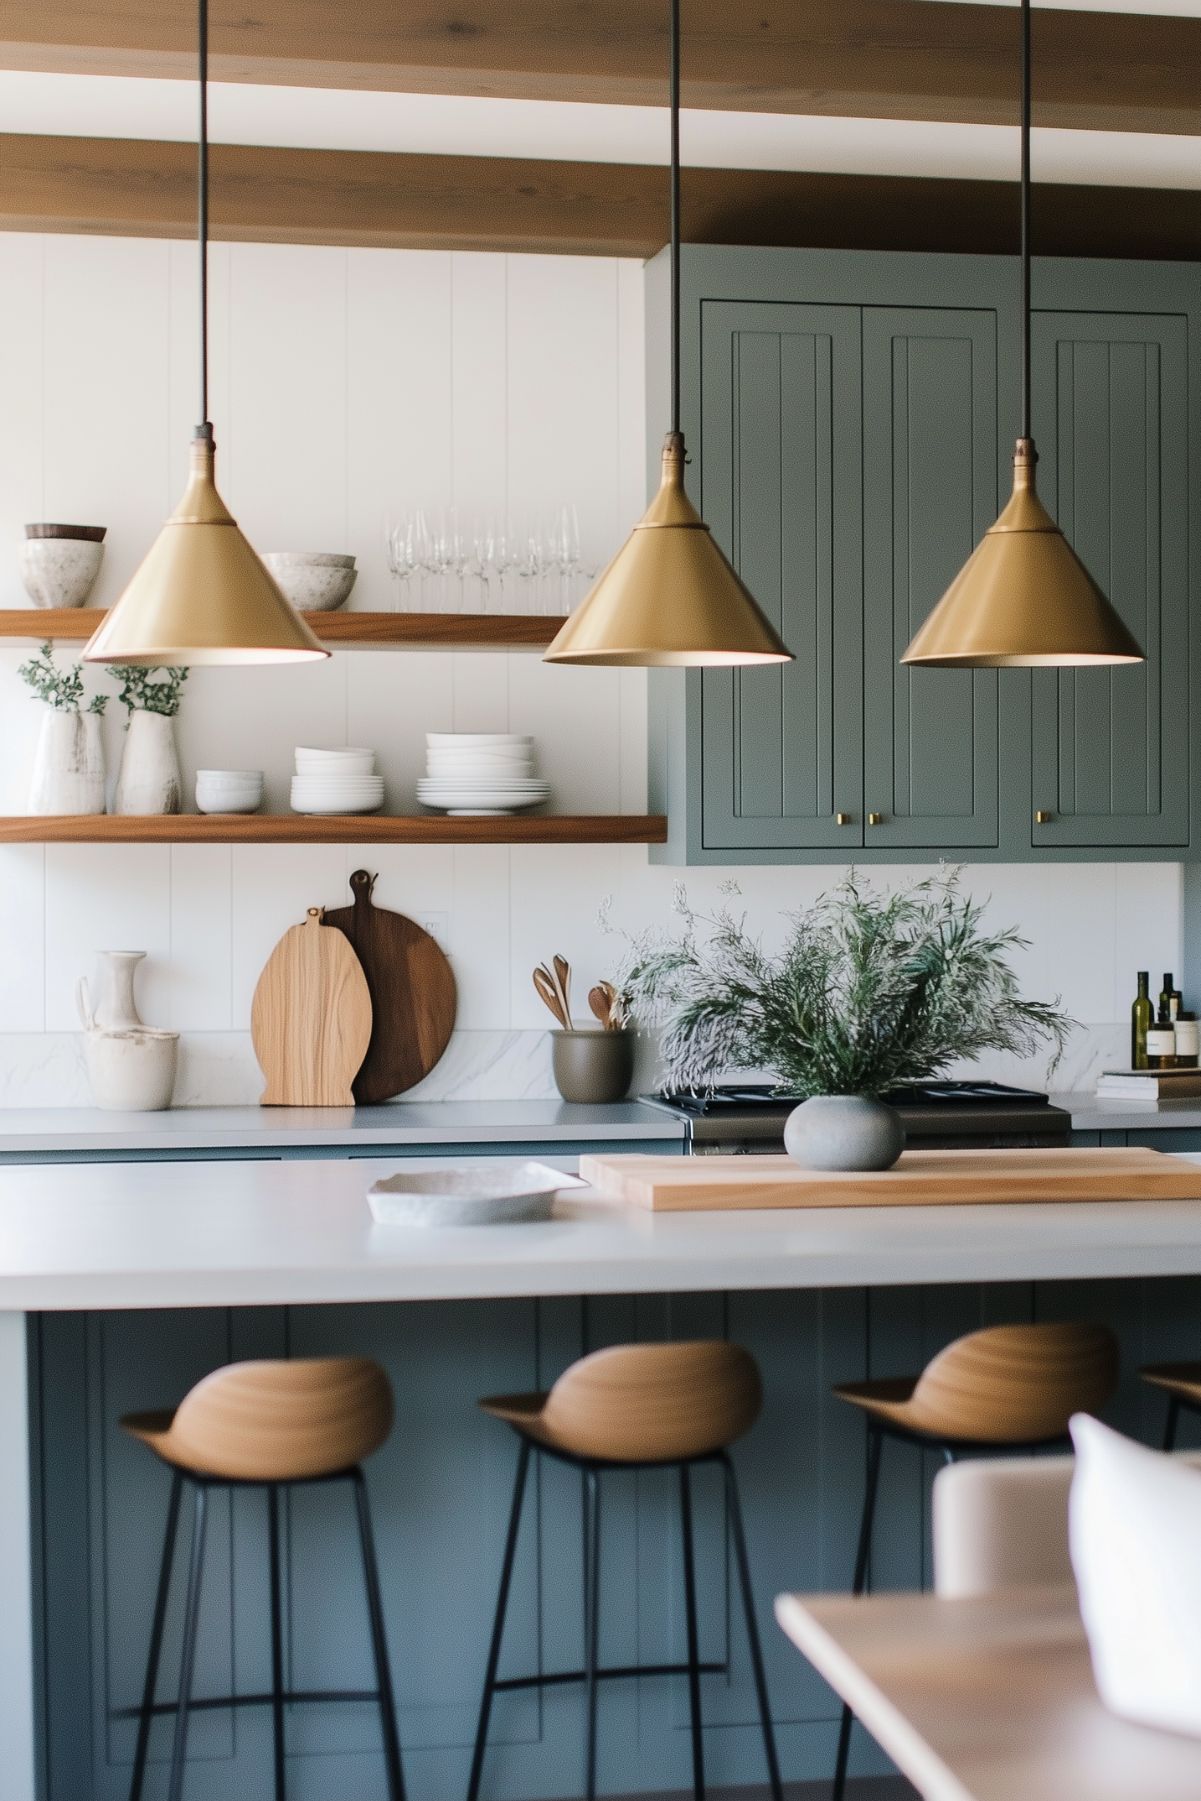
(46, 1069)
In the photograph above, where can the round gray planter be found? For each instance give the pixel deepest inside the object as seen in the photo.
(843, 1131)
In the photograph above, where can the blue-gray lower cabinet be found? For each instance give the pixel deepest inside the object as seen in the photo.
(850, 420)
(440, 1490)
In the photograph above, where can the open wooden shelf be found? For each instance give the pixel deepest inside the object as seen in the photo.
(359, 828)
(343, 631)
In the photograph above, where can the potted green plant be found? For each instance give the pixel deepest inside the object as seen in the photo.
(871, 989)
(149, 779)
(68, 765)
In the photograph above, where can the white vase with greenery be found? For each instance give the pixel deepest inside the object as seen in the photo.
(149, 780)
(871, 990)
(68, 764)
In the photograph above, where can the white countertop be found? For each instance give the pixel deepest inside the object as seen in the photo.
(1097, 1113)
(39, 1131)
(202, 1234)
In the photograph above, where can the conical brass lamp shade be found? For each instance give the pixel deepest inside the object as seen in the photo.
(1023, 598)
(669, 597)
(201, 594)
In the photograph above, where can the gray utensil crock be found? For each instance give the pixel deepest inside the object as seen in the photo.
(593, 1066)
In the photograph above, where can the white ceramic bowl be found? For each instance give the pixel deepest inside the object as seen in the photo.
(316, 581)
(350, 762)
(481, 1193)
(59, 572)
(478, 740)
(229, 790)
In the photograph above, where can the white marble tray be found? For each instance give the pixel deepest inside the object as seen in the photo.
(480, 1193)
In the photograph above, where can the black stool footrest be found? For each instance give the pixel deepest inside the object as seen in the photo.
(622, 1670)
(214, 1701)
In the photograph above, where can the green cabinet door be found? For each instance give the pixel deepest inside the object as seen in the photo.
(1110, 747)
(929, 492)
(780, 487)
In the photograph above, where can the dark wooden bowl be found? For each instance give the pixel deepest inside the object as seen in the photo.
(94, 534)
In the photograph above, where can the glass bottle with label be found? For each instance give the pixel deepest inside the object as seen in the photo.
(1188, 1041)
(1170, 998)
(1142, 1016)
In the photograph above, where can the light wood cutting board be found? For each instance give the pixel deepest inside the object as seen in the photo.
(311, 1018)
(920, 1179)
(412, 993)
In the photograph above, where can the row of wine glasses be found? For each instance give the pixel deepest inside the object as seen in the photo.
(442, 563)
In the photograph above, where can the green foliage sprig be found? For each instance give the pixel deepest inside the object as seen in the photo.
(141, 692)
(871, 989)
(61, 689)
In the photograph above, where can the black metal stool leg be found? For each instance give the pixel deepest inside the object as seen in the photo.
(156, 1638)
(591, 1631)
(277, 1643)
(379, 1643)
(191, 1620)
(694, 1656)
(875, 1441)
(1173, 1420)
(498, 1623)
(738, 1535)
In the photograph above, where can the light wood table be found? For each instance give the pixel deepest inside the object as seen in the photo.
(988, 1699)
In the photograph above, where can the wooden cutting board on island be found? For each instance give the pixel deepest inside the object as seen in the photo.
(919, 1179)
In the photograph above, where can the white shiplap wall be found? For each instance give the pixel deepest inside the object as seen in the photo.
(347, 384)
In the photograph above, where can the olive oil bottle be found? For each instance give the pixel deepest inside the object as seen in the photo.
(1141, 1015)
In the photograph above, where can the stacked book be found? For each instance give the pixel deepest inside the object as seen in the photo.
(1149, 1084)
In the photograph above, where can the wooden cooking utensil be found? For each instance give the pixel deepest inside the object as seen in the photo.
(560, 970)
(311, 1018)
(598, 1000)
(412, 991)
(548, 993)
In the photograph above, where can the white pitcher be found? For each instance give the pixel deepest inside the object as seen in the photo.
(115, 1009)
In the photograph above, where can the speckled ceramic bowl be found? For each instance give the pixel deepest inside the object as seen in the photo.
(59, 572)
(313, 581)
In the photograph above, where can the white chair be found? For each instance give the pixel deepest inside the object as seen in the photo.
(1003, 1523)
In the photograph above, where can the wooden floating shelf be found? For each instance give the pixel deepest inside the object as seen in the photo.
(341, 631)
(370, 828)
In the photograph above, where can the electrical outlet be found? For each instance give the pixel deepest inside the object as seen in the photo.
(436, 924)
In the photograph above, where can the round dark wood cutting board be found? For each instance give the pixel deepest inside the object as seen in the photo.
(412, 993)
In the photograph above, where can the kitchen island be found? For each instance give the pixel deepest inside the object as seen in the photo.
(119, 1285)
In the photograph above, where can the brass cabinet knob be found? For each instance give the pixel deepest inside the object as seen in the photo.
(1042, 817)
(875, 819)
(842, 819)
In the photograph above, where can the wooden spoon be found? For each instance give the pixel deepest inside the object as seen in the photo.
(562, 970)
(548, 993)
(598, 1000)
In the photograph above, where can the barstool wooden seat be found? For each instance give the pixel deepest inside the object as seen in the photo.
(626, 1408)
(1181, 1382)
(1007, 1387)
(272, 1425)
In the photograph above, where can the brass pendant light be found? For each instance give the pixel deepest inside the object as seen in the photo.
(202, 595)
(1023, 598)
(670, 597)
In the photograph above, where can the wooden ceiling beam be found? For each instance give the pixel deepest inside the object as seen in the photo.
(910, 59)
(137, 188)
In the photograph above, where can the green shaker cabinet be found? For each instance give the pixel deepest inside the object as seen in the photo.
(850, 420)
(1110, 747)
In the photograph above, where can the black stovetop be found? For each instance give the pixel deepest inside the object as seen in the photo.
(761, 1097)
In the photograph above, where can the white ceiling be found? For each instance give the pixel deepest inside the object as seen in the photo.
(117, 106)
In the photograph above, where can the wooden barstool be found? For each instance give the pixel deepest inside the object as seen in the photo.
(1011, 1388)
(1181, 1382)
(627, 1408)
(268, 1425)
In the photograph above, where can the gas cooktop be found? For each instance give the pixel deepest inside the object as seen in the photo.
(743, 1096)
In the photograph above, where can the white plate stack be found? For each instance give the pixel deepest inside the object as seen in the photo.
(336, 781)
(480, 773)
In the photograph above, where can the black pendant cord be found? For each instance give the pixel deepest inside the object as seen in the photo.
(674, 105)
(202, 173)
(1025, 137)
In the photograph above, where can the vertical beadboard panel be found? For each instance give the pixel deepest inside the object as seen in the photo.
(398, 400)
(105, 355)
(22, 422)
(201, 972)
(479, 936)
(286, 469)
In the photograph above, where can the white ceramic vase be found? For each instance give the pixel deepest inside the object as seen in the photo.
(132, 1072)
(149, 780)
(116, 1010)
(68, 765)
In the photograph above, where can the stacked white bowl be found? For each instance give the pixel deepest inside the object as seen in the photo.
(480, 773)
(229, 790)
(336, 781)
